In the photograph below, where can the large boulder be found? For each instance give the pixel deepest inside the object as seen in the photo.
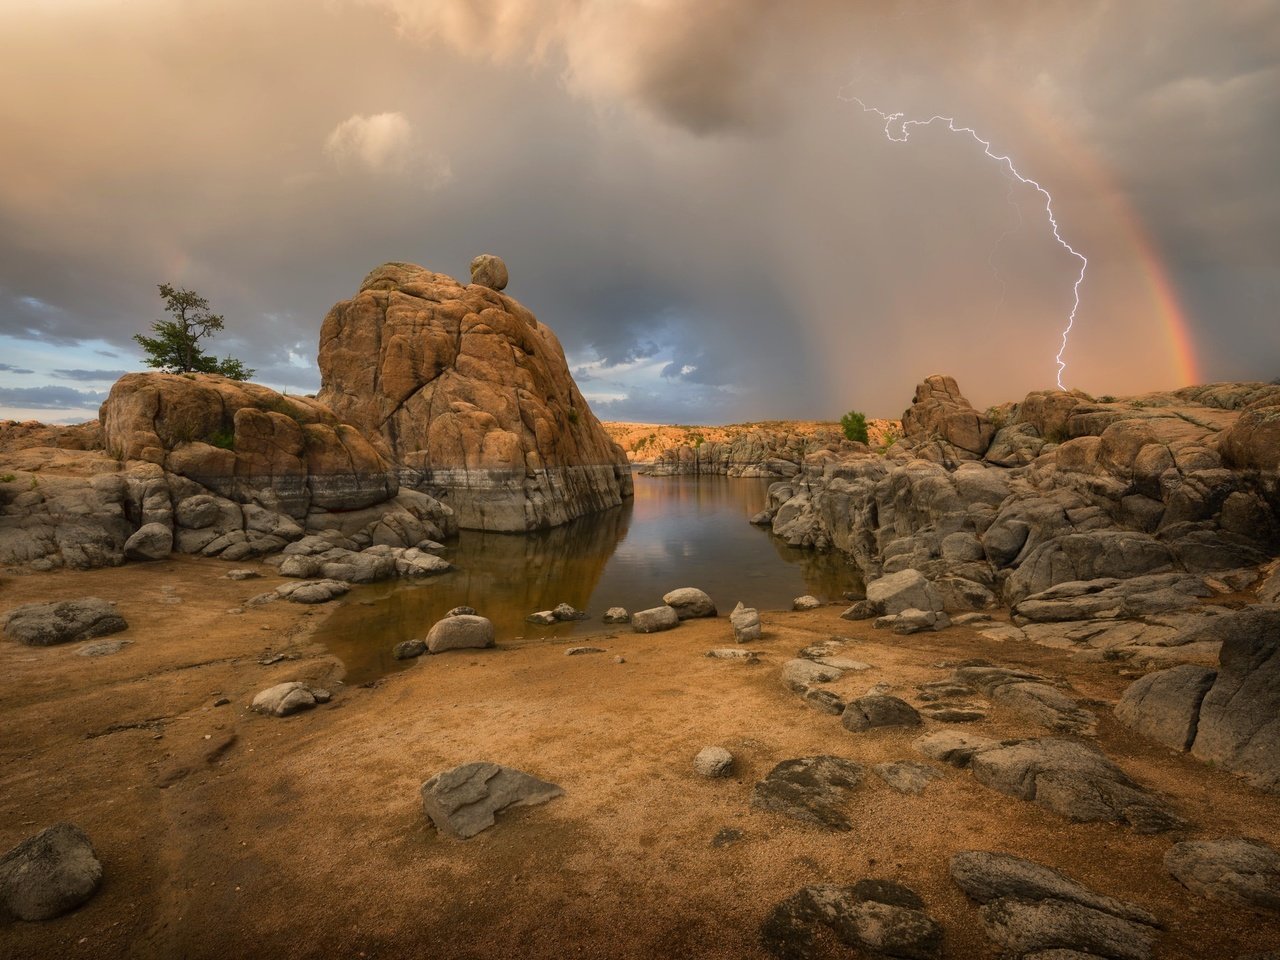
(939, 412)
(151, 541)
(1165, 706)
(49, 874)
(46, 624)
(1238, 871)
(1239, 726)
(473, 398)
(245, 442)
(690, 603)
(462, 632)
(904, 590)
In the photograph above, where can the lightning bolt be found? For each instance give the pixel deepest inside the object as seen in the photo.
(895, 124)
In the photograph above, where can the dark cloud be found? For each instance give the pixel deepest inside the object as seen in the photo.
(50, 398)
(675, 183)
(89, 375)
(10, 368)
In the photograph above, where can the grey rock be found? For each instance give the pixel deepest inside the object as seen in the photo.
(48, 874)
(103, 648)
(616, 615)
(1111, 598)
(799, 674)
(825, 701)
(881, 710)
(814, 790)
(408, 649)
(952, 713)
(284, 699)
(731, 654)
(875, 918)
(655, 619)
(313, 591)
(463, 632)
(241, 573)
(713, 762)
(1239, 726)
(806, 602)
(907, 776)
(465, 800)
(953, 747)
(1047, 706)
(46, 624)
(689, 603)
(1074, 779)
(1237, 871)
(566, 612)
(580, 651)
(911, 621)
(746, 623)
(1092, 555)
(860, 610)
(960, 594)
(986, 877)
(1165, 706)
(542, 618)
(461, 611)
(151, 541)
(1034, 911)
(904, 590)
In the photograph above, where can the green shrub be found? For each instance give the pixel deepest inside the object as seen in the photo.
(573, 416)
(998, 417)
(854, 425)
(7, 478)
(223, 439)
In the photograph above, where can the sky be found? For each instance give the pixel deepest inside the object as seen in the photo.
(686, 193)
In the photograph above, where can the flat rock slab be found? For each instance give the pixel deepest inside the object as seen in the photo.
(729, 653)
(46, 624)
(313, 591)
(799, 674)
(1047, 706)
(1034, 911)
(465, 800)
(907, 776)
(49, 874)
(879, 710)
(953, 747)
(1074, 779)
(1241, 872)
(813, 790)
(876, 918)
(581, 651)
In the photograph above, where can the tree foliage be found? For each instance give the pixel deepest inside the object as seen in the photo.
(175, 348)
(854, 425)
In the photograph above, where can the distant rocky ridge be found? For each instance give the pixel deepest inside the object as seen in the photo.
(471, 398)
(767, 449)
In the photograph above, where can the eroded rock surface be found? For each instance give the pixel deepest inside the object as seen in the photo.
(46, 624)
(49, 874)
(814, 790)
(876, 918)
(467, 799)
(472, 398)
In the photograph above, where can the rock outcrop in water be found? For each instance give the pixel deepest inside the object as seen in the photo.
(471, 397)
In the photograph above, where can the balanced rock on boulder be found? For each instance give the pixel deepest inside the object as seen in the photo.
(470, 395)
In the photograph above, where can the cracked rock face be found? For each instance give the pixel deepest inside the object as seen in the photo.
(814, 790)
(473, 398)
(465, 800)
(877, 918)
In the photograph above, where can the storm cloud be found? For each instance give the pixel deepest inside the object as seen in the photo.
(678, 189)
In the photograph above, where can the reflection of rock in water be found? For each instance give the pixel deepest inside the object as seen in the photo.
(829, 573)
(505, 577)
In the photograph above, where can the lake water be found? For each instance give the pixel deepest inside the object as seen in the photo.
(677, 532)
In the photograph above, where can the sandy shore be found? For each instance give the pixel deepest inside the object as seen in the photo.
(227, 834)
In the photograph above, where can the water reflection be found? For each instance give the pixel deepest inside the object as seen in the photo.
(678, 531)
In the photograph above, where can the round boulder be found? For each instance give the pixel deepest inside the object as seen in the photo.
(489, 271)
(713, 762)
(462, 632)
(690, 602)
(49, 874)
(151, 541)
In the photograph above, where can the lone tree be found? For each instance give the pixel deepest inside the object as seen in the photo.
(175, 348)
(854, 425)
